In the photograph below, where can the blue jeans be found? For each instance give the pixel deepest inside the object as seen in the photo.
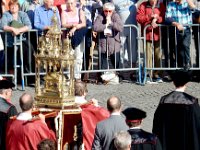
(115, 60)
(183, 47)
(2, 59)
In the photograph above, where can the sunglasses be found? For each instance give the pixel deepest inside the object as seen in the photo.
(106, 11)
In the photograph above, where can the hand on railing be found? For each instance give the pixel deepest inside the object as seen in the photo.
(179, 26)
(154, 24)
(15, 31)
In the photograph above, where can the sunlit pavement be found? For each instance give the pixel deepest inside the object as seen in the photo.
(144, 97)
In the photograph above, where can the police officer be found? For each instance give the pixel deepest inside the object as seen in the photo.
(140, 139)
(6, 108)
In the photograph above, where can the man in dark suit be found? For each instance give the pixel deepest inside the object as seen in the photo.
(106, 129)
(177, 117)
(6, 109)
(141, 140)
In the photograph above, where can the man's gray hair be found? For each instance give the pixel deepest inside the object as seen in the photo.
(108, 6)
(122, 140)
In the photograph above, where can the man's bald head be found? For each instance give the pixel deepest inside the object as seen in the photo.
(114, 104)
(26, 102)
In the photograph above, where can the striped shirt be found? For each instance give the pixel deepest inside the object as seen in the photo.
(180, 13)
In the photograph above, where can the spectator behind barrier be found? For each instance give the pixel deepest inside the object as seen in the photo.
(43, 15)
(91, 9)
(29, 7)
(178, 14)
(127, 11)
(152, 12)
(73, 18)
(16, 22)
(109, 25)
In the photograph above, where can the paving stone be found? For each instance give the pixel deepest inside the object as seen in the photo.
(144, 97)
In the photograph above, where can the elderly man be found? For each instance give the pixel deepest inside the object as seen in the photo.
(177, 117)
(122, 140)
(43, 15)
(6, 108)
(29, 131)
(106, 129)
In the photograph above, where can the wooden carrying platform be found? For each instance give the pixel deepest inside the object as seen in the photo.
(74, 128)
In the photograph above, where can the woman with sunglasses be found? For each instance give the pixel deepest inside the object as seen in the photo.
(109, 25)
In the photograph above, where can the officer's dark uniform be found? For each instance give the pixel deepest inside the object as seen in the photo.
(6, 111)
(141, 140)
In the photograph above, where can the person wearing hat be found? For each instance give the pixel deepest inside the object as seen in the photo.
(141, 139)
(177, 118)
(6, 108)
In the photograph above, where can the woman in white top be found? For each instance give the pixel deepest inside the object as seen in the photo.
(73, 18)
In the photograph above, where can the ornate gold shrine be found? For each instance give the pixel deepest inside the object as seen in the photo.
(55, 60)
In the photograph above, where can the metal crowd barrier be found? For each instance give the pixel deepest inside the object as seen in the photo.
(167, 44)
(18, 61)
(96, 64)
(4, 69)
(95, 60)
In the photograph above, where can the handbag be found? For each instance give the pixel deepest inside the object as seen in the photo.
(110, 78)
(16, 24)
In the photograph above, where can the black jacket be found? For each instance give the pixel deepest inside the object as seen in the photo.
(6, 111)
(142, 140)
(177, 122)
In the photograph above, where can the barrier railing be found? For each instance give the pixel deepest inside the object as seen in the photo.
(166, 43)
(95, 61)
(168, 50)
(4, 65)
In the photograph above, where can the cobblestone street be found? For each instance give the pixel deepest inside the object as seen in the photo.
(144, 97)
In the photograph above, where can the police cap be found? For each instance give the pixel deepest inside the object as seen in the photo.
(5, 84)
(134, 114)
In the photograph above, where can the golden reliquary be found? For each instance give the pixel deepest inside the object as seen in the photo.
(54, 69)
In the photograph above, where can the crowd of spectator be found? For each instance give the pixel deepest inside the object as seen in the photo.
(176, 120)
(118, 45)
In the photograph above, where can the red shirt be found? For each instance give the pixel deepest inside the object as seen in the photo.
(143, 17)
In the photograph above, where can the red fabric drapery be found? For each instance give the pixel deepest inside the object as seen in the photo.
(91, 115)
